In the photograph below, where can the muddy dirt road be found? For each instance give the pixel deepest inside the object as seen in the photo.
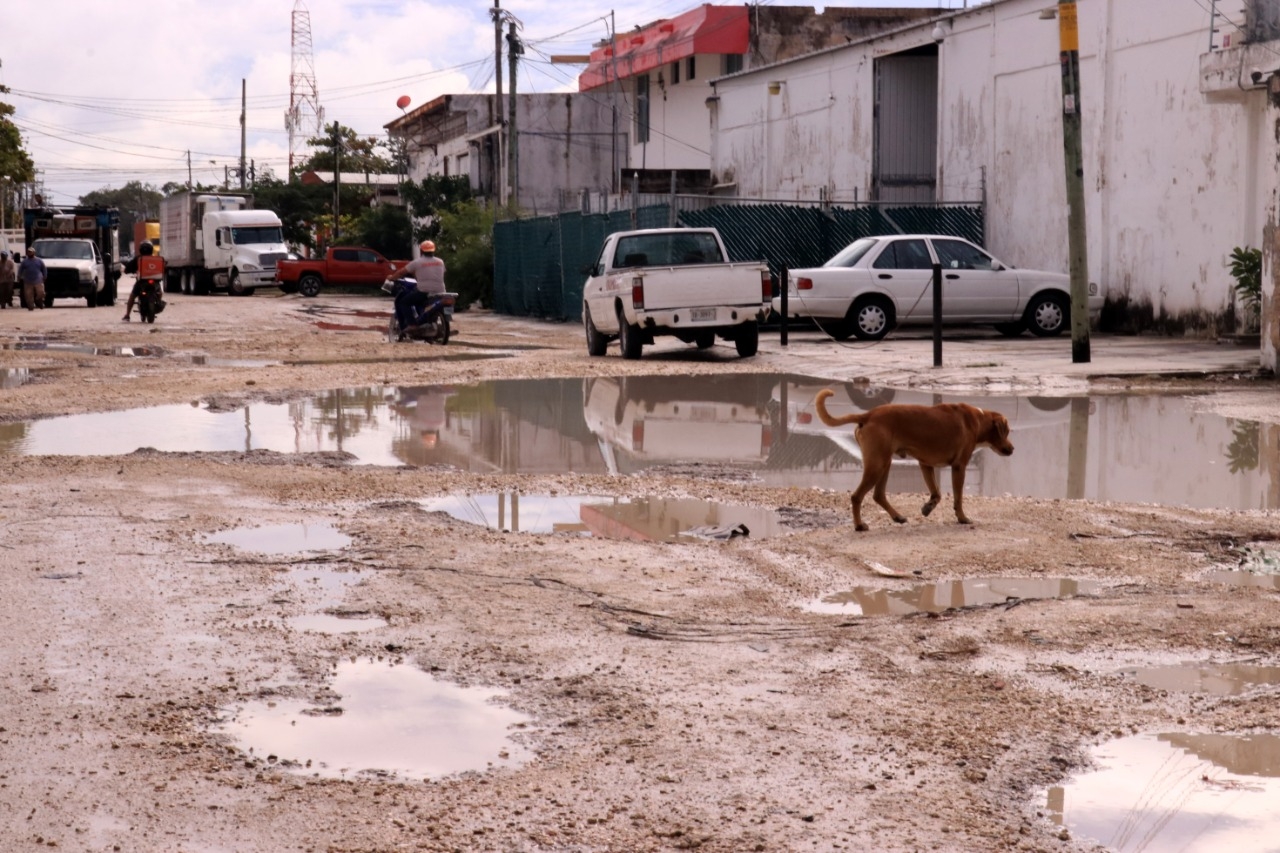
(674, 696)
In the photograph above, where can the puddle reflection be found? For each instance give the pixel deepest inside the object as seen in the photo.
(946, 595)
(1107, 448)
(14, 377)
(1246, 579)
(1190, 793)
(611, 517)
(283, 538)
(389, 720)
(1228, 679)
(335, 623)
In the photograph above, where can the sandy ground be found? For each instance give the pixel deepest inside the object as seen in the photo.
(679, 696)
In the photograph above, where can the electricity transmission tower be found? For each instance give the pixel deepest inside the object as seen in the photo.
(305, 118)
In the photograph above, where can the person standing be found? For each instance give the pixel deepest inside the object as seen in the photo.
(8, 278)
(32, 273)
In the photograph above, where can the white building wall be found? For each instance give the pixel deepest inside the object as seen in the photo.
(1173, 181)
(679, 131)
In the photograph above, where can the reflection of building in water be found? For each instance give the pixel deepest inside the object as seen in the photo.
(1244, 755)
(946, 595)
(662, 519)
(507, 426)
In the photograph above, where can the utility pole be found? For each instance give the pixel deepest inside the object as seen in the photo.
(514, 50)
(189, 184)
(242, 110)
(498, 182)
(337, 179)
(1077, 241)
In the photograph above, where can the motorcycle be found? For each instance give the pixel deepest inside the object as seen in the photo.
(431, 322)
(150, 302)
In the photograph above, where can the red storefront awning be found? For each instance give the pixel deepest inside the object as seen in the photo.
(705, 30)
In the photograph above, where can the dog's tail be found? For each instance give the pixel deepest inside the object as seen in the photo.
(829, 419)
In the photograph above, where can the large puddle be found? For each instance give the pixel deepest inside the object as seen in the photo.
(947, 595)
(1106, 448)
(1177, 793)
(643, 519)
(387, 720)
(1223, 679)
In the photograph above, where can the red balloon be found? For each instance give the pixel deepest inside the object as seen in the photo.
(402, 101)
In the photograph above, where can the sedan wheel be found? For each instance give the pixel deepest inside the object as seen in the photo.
(1047, 314)
(872, 319)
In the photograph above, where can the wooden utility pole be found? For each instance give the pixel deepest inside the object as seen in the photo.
(514, 49)
(242, 129)
(1077, 241)
(337, 180)
(498, 182)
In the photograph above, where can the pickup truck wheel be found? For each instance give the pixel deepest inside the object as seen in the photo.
(748, 339)
(629, 338)
(597, 342)
(309, 285)
(1047, 314)
(92, 299)
(872, 318)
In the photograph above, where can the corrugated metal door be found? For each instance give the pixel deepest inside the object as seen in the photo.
(905, 160)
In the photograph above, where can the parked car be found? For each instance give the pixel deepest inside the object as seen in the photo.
(877, 283)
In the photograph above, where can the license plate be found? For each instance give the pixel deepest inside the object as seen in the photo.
(448, 310)
(701, 315)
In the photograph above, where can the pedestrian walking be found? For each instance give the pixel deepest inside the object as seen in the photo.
(32, 273)
(8, 278)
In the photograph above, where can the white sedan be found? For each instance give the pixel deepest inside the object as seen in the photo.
(877, 283)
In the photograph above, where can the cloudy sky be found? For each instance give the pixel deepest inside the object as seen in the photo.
(108, 93)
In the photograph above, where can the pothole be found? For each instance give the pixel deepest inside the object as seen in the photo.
(297, 538)
(1191, 793)
(649, 519)
(947, 595)
(386, 720)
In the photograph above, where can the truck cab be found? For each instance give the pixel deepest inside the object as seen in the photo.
(74, 269)
(246, 244)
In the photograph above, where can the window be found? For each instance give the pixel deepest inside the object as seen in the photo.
(346, 255)
(642, 109)
(675, 72)
(904, 255)
(959, 255)
(732, 63)
(852, 253)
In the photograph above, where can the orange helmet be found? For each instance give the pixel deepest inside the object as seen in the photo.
(427, 247)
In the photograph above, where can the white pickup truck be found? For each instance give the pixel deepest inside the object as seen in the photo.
(673, 281)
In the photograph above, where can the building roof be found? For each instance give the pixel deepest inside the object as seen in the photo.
(705, 30)
(352, 179)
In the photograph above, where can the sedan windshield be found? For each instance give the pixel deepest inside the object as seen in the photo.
(849, 255)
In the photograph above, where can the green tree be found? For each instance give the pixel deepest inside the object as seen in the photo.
(300, 208)
(432, 196)
(386, 228)
(16, 165)
(136, 201)
(465, 241)
(356, 155)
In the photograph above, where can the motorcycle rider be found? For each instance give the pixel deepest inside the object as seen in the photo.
(428, 271)
(150, 274)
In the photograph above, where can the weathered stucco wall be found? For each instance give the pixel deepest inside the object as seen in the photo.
(1174, 178)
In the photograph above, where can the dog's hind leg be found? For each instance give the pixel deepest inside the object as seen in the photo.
(957, 486)
(931, 481)
(882, 499)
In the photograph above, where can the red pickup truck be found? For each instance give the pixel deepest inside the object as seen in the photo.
(341, 265)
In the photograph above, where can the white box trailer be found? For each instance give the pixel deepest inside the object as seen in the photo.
(219, 241)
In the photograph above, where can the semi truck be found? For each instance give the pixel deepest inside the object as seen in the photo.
(219, 241)
(80, 247)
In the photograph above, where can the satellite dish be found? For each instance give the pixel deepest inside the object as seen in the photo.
(402, 101)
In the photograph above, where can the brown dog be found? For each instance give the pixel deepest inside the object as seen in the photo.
(945, 434)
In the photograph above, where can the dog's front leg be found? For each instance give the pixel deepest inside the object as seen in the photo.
(957, 486)
(931, 481)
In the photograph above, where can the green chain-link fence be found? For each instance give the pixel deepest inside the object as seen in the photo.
(538, 262)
